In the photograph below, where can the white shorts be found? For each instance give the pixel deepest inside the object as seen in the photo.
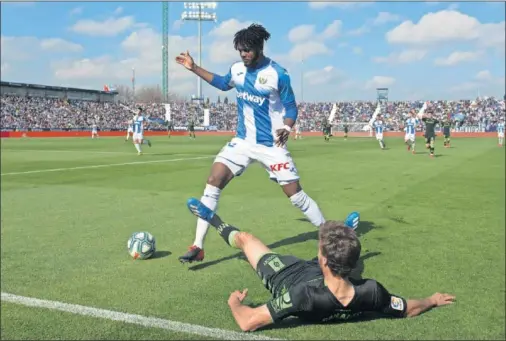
(94, 132)
(138, 136)
(379, 136)
(130, 130)
(238, 154)
(501, 135)
(409, 137)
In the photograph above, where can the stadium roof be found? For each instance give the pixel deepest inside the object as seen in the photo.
(58, 88)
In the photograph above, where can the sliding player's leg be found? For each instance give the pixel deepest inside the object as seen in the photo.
(230, 162)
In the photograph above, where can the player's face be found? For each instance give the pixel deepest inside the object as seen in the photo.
(248, 55)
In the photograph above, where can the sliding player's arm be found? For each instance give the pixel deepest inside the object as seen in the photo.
(247, 318)
(396, 306)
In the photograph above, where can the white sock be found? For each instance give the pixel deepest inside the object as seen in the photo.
(138, 147)
(309, 207)
(210, 199)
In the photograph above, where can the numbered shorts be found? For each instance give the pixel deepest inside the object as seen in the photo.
(379, 136)
(278, 272)
(500, 135)
(238, 154)
(138, 136)
(130, 130)
(409, 137)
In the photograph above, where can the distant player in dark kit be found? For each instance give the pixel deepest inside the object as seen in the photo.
(447, 125)
(191, 129)
(430, 133)
(170, 128)
(345, 127)
(327, 130)
(315, 291)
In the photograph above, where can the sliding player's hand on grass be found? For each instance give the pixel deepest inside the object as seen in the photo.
(237, 296)
(442, 299)
(186, 60)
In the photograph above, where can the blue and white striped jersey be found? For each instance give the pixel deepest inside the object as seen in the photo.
(411, 124)
(264, 98)
(378, 127)
(138, 124)
(500, 128)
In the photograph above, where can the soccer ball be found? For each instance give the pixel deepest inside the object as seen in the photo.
(141, 245)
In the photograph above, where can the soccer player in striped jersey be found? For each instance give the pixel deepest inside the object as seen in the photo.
(94, 131)
(500, 132)
(378, 129)
(410, 137)
(130, 129)
(267, 112)
(138, 128)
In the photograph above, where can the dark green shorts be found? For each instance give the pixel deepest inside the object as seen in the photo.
(271, 270)
(428, 139)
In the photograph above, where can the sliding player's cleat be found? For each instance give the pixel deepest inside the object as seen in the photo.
(200, 210)
(194, 254)
(352, 220)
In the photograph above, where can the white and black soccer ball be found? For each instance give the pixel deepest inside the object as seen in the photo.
(141, 245)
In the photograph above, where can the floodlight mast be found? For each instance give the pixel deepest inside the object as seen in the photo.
(196, 13)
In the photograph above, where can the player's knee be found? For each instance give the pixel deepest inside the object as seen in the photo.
(292, 188)
(243, 238)
(220, 175)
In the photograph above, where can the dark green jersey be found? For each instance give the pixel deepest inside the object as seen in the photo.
(345, 128)
(430, 124)
(306, 296)
(446, 124)
(191, 126)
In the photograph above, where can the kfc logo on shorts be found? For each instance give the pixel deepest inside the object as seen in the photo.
(280, 166)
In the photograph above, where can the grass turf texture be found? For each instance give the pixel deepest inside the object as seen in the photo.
(428, 224)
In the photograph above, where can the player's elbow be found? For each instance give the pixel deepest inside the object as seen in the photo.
(220, 83)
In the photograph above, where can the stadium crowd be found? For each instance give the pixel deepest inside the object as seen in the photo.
(37, 113)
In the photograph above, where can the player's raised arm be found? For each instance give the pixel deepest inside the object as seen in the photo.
(421, 112)
(220, 82)
(249, 319)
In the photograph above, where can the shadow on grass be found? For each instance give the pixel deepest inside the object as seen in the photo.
(365, 227)
(160, 254)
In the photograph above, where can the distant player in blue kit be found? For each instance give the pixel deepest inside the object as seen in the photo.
(410, 128)
(138, 128)
(500, 132)
(266, 111)
(379, 126)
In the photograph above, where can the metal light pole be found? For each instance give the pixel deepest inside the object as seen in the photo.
(302, 81)
(198, 14)
(133, 83)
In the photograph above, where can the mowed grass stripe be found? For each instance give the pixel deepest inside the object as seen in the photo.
(106, 165)
(151, 322)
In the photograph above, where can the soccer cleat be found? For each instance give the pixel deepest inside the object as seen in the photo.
(352, 220)
(197, 208)
(194, 254)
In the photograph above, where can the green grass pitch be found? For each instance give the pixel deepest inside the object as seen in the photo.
(428, 225)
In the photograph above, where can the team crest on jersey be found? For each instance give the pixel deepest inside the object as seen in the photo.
(262, 80)
(397, 303)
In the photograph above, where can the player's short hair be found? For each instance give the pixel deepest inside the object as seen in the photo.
(341, 246)
(252, 37)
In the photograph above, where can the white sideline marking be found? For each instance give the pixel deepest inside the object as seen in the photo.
(151, 322)
(66, 151)
(106, 165)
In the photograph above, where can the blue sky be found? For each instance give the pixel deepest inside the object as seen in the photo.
(419, 50)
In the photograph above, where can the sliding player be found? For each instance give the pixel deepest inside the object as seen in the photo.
(316, 291)
(267, 112)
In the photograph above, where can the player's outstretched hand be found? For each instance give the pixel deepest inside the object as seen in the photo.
(186, 60)
(442, 299)
(283, 136)
(237, 296)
